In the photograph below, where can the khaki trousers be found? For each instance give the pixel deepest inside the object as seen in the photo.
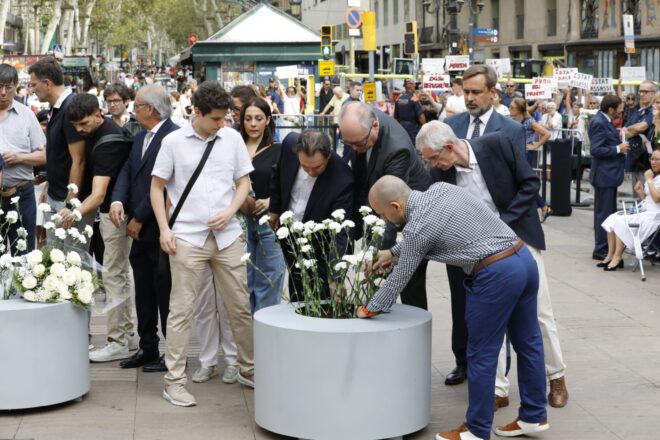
(188, 266)
(117, 279)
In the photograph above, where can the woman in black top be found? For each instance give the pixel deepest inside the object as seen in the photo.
(258, 130)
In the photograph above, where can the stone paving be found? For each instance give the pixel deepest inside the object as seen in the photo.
(610, 334)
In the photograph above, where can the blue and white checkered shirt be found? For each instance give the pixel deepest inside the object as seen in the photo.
(444, 224)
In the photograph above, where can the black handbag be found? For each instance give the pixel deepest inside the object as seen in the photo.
(164, 258)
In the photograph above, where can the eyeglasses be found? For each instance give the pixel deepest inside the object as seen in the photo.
(137, 106)
(362, 143)
(8, 87)
(510, 85)
(646, 91)
(118, 101)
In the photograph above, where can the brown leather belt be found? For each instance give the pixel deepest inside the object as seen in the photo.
(497, 257)
(11, 190)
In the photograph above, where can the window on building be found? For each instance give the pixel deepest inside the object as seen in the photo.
(495, 12)
(632, 7)
(552, 17)
(520, 19)
(386, 10)
(406, 10)
(589, 19)
(395, 11)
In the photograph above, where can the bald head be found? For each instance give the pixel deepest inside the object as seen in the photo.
(389, 192)
(356, 112)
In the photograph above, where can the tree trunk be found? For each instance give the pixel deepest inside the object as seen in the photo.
(87, 18)
(52, 26)
(218, 17)
(4, 9)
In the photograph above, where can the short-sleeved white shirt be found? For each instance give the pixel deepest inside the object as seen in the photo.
(20, 132)
(179, 155)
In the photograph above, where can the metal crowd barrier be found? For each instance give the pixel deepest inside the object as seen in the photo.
(285, 124)
(579, 151)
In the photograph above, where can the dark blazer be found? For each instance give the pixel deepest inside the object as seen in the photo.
(393, 154)
(133, 184)
(511, 182)
(332, 190)
(514, 130)
(606, 164)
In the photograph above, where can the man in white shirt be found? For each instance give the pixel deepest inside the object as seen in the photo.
(206, 232)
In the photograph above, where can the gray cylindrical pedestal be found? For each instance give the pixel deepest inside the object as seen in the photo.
(343, 379)
(44, 356)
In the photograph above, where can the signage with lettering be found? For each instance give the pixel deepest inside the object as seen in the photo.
(581, 81)
(633, 73)
(564, 76)
(370, 91)
(601, 85)
(550, 82)
(436, 82)
(457, 62)
(538, 91)
(326, 68)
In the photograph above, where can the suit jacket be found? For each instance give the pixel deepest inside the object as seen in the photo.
(514, 130)
(393, 154)
(332, 190)
(606, 163)
(511, 182)
(133, 184)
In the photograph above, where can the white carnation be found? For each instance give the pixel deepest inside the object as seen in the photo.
(378, 231)
(82, 239)
(64, 291)
(341, 266)
(319, 227)
(298, 226)
(57, 269)
(365, 210)
(56, 218)
(38, 270)
(75, 203)
(86, 277)
(286, 217)
(348, 224)
(302, 240)
(21, 245)
(245, 258)
(306, 248)
(85, 294)
(73, 258)
(60, 233)
(6, 261)
(370, 220)
(338, 214)
(34, 257)
(72, 188)
(15, 200)
(29, 295)
(29, 282)
(44, 207)
(56, 255)
(380, 223)
(282, 233)
(49, 226)
(89, 231)
(70, 277)
(264, 219)
(50, 283)
(364, 256)
(309, 263)
(335, 227)
(12, 217)
(77, 216)
(350, 259)
(21, 232)
(310, 225)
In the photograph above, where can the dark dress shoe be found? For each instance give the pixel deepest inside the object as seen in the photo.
(138, 359)
(157, 366)
(457, 375)
(608, 268)
(603, 264)
(597, 256)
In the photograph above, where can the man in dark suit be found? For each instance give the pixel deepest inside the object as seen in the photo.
(311, 181)
(131, 197)
(607, 165)
(381, 146)
(479, 87)
(495, 172)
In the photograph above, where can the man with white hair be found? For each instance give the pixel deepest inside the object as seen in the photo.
(335, 103)
(449, 225)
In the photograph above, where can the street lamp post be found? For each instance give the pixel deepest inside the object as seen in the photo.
(453, 8)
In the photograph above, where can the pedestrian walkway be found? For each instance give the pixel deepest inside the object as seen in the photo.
(609, 328)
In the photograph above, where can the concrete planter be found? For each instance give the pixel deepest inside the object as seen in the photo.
(44, 356)
(342, 378)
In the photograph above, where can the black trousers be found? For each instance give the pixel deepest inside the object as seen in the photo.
(459, 332)
(604, 206)
(414, 294)
(152, 294)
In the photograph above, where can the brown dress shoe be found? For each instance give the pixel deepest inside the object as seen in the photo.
(558, 396)
(500, 402)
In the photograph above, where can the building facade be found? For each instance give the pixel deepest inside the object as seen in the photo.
(587, 34)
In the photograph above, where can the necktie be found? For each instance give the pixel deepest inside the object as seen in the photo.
(147, 140)
(475, 132)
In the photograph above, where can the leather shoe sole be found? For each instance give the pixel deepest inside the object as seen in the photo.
(457, 376)
(137, 360)
(157, 366)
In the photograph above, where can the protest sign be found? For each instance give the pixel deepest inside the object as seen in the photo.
(563, 76)
(501, 65)
(549, 82)
(457, 62)
(433, 65)
(287, 71)
(581, 81)
(633, 73)
(601, 85)
(538, 91)
(436, 82)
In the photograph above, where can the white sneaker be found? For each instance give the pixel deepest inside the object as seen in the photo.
(177, 395)
(248, 381)
(133, 342)
(518, 428)
(231, 374)
(111, 352)
(204, 373)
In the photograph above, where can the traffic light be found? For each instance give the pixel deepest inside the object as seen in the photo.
(326, 42)
(410, 38)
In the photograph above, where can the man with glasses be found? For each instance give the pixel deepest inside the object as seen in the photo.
(117, 97)
(65, 155)
(21, 149)
(640, 122)
(510, 92)
(381, 146)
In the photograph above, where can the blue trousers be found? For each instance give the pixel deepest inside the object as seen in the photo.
(27, 210)
(266, 284)
(502, 297)
(604, 206)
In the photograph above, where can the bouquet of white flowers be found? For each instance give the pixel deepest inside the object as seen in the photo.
(313, 243)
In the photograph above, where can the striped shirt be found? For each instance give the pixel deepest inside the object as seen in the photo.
(444, 224)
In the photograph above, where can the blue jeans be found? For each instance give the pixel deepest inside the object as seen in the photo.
(27, 210)
(266, 283)
(502, 297)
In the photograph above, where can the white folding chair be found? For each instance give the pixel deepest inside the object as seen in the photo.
(639, 249)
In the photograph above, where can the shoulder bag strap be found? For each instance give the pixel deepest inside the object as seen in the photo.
(191, 182)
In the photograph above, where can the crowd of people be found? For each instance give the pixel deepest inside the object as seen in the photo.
(178, 201)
